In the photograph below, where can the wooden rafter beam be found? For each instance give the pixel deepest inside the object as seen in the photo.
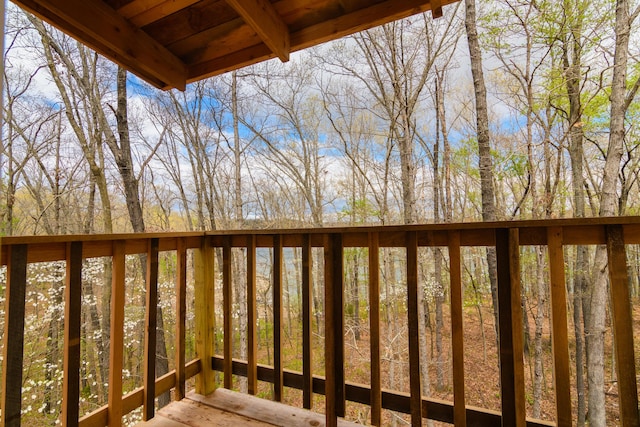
(436, 8)
(100, 27)
(264, 19)
(360, 20)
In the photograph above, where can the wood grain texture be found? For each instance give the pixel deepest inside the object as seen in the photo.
(413, 330)
(559, 331)
(72, 327)
(151, 330)
(227, 304)
(337, 304)
(374, 327)
(438, 410)
(204, 315)
(457, 330)
(262, 410)
(277, 318)
(181, 318)
(135, 399)
(622, 320)
(510, 328)
(144, 12)
(116, 335)
(331, 338)
(265, 20)
(109, 33)
(191, 413)
(13, 342)
(307, 333)
(576, 231)
(329, 24)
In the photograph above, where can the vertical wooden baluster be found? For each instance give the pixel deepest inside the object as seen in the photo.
(329, 336)
(227, 312)
(277, 318)
(457, 330)
(374, 326)
(72, 323)
(413, 326)
(252, 312)
(307, 337)
(338, 310)
(559, 332)
(622, 320)
(181, 317)
(204, 316)
(510, 328)
(116, 347)
(334, 326)
(13, 345)
(151, 326)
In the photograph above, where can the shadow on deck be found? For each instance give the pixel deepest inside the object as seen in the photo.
(228, 408)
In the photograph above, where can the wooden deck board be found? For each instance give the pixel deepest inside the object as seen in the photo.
(225, 408)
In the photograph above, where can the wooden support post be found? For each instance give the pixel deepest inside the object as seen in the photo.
(307, 335)
(338, 312)
(622, 321)
(414, 329)
(374, 327)
(278, 381)
(457, 329)
(559, 332)
(227, 304)
(116, 336)
(252, 312)
(334, 327)
(13, 345)
(151, 330)
(510, 328)
(204, 316)
(72, 322)
(181, 317)
(330, 339)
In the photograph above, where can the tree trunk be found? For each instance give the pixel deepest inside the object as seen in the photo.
(121, 151)
(572, 62)
(437, 254)
(608, 203)
(484, 143)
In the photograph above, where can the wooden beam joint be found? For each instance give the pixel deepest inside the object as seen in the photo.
(265, 21)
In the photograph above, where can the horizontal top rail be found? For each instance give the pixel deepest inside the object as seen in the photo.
(576, 231)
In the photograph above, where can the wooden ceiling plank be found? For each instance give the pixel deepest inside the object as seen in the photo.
(190, 21)
(360, 20)
(101, 28)
(216, 42)
(363, 19)
(138, 6)
(263, 18)
(235, 60)
(144, 12)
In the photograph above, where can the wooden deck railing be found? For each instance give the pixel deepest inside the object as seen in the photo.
(506, 237)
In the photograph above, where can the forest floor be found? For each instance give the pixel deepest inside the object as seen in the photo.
(482, 386)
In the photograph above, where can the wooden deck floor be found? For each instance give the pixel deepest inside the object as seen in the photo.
(225, 408)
